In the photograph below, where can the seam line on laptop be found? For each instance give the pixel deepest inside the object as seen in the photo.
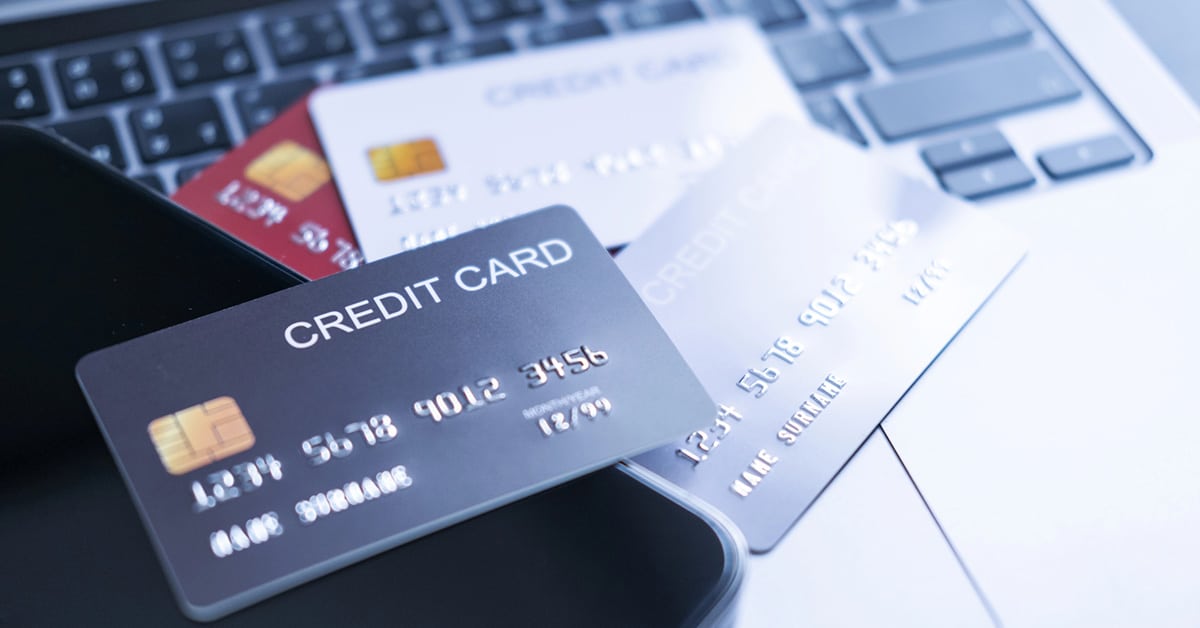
(987, 605)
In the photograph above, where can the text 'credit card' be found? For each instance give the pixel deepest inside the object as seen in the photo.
(281, 439)
(808, 287)
(616, 128)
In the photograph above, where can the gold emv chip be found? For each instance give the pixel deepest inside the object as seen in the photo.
(289, 170)
(399, 161)
(204, 433)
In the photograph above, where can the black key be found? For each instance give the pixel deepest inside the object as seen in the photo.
(993, 177)
(189, 172)
(651, 15)
(390, 21)
(207, 58)
(151, 181)
(967, 151)
(820, 58)
(1085, 157)
(104, 77)
(376, 68)
(461, 51)
(22, 94)
(260, 104)
(488, 11)
(947, 30)
(547, 34)
(769, 13)
(854, 5)
(581, 3)
(299, 39)
(178, 129)
(827, 111)
(96, 136)
(965, 93)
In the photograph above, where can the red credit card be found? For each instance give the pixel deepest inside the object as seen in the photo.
(275, 193)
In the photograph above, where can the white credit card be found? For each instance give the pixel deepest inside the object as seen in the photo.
(615, 128)
(808, 286)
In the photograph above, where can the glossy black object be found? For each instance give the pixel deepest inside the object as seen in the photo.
(92, 259)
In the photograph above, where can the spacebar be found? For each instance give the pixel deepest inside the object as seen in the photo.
(967, 93)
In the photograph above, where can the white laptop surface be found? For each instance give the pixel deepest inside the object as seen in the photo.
(1056, 439)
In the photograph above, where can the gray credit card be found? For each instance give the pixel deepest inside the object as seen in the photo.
(289, 436)
(808, 287)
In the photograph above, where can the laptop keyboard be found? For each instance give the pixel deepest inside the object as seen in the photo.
(932, 79)
(980, 90)
(945, 32)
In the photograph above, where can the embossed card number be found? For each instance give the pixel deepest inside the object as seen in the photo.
(820, 354)
(278, 440)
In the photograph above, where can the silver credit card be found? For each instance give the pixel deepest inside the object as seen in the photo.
(286, 437)
(808, 287)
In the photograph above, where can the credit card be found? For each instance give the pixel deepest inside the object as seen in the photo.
(616, 128)
(281, 439)
(275, 193)
(808, 287)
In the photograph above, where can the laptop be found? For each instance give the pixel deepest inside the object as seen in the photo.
(1041, 471)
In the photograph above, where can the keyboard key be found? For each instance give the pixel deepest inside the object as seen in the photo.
(461, 51)
(104, 77)
(22, 94)
(178, 129)
(651, 15)
(376, 68)
(827, 111)
(855, 5)
(489, 11)
(965, 93)
(947, 30)
(768, 13)
(189, 172)
(548, 34)
(260, 104)
(298, 39)
(966, 151)
(574, 4)
(1085, 157)
(390, 21)
(96, 136)
(206, 58)
(986, 179)
(820, 58)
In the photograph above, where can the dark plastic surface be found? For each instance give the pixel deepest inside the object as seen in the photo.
(93, 259)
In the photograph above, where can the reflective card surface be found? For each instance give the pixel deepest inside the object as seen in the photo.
(278, 440)
(616, 128)
(808, 287)
(275, 193)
